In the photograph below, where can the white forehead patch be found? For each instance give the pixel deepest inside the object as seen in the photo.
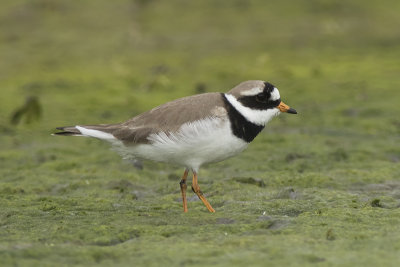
(275, 95)
(252, 91)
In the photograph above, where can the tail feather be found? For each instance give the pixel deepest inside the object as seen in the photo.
(68, 131)
(67, 134)
(102, 131)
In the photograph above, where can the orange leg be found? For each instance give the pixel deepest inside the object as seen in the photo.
(183, 189)
(197, 191)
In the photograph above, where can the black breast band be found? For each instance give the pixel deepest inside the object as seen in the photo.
(240, 126)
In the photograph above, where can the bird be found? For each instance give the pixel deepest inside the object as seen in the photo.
(193, 130)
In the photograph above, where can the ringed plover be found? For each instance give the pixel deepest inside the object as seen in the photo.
(193, 130)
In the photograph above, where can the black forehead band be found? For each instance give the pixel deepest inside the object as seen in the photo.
(268, 87)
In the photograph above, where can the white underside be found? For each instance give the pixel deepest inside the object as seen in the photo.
(194, 144)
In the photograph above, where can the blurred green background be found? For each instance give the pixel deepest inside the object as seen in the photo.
(322, 187)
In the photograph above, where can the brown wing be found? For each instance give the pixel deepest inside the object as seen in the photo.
(166, 118)
(169, 117)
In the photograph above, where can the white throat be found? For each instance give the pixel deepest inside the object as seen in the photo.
(256, 116)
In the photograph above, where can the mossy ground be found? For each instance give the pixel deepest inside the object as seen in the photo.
(321, 188)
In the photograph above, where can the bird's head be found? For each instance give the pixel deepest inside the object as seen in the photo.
(258, 101)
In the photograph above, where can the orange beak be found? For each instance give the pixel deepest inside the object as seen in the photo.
(285, 108)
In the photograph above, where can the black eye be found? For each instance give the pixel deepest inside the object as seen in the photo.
(261, 97)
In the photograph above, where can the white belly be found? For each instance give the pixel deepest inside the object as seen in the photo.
(196, 143)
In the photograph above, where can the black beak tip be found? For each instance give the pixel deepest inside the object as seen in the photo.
(292, 111)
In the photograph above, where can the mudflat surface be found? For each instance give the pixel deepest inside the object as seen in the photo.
(318, 188)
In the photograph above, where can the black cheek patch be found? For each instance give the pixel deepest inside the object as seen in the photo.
(253, 103)
(275, 103)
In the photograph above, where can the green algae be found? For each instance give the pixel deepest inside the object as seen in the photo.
(320, 188)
